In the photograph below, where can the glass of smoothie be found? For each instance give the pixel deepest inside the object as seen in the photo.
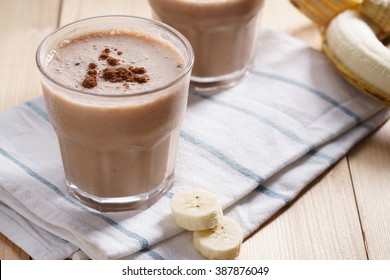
(116, 89)
(223, 34)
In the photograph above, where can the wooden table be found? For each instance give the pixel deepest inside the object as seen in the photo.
(345, 214)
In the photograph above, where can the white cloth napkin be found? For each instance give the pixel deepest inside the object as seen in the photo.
(256, 146)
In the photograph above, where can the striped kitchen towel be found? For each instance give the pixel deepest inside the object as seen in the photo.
(256, 146)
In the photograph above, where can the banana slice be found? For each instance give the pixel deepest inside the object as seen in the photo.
(196, 209)
(220, 243)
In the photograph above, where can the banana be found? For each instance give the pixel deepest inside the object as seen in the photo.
(196, 209)
(351, 43)
(353, 31)
(220, 243)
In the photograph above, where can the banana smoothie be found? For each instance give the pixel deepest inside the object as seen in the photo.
(116, 99)
(222, 32)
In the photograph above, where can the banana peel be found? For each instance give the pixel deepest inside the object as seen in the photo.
(353, 33)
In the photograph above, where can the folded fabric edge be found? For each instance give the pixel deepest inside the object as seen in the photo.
(35, 241)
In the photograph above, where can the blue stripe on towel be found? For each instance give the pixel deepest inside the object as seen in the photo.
(37, 110)
(227, 160)
(263, 189)
(310, 146)
(153, 254)
(322, 155)
(141, 240)
(234, 165)
(369, 127)
(314, 91)
(260, 118)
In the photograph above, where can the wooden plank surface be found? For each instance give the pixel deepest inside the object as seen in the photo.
(326, 222)
(23, 24)
(370, 170)
(74, 9)
(9, 251)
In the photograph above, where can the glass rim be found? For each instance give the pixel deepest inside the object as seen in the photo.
(181, 37)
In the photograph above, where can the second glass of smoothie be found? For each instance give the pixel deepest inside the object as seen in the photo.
(223, 34)
(116, 90)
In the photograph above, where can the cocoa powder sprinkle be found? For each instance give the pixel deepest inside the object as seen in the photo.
(89, 82)
(137, 70)
(103, 56)
(114, 74)
(140, 79)
(92, 72)
(112, 61)
(92, 65)
(122, 74)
